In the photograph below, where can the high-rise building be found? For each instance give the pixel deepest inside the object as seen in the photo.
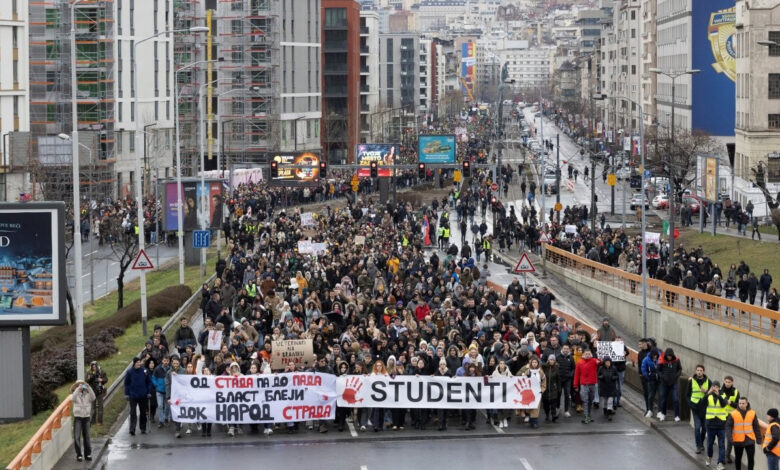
(757, 133)
(369, 81)
(342, 67)
(15, 86)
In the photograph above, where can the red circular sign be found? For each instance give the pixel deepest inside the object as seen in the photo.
(494, 187)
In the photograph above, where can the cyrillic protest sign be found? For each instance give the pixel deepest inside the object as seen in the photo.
(615, 350)
(307, 220)
(298, 351)
(380, 391)
(215, 340)
(278, 398)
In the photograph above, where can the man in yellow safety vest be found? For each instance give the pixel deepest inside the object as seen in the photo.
(716, 424)
(771, 444)
(741, 431)
(698, 384)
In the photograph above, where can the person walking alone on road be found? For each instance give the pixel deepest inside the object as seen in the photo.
(741, 431)
(138, 390)
(82, 397)
(771, 445)
(716, 424)
(755, 231)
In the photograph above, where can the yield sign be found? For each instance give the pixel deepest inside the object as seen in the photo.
(525, 265)
(142, 261)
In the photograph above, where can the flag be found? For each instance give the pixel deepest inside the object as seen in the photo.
(426, 231)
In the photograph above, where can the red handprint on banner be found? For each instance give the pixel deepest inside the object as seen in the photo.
(523, 387)
(351, 389)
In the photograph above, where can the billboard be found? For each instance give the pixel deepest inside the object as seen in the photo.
(383, 154)
(709, 178)
(297, 176)
(713, 52)
(192, 191)
(32, 264)
(468, 68)
(437, 149)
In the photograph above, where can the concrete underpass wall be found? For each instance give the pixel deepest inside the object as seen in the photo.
(753, 362)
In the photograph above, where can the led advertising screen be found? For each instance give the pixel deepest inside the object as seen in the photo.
(468, 68)
(384, 154)
(437, 149)
(713, 47)
(297, 176)
(32, 264)
(191, 200)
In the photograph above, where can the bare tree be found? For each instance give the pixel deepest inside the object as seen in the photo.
(679, 157)
(124, 249)
(759, 174)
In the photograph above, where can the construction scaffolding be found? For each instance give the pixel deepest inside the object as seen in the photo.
(51, 104)
(247, 44)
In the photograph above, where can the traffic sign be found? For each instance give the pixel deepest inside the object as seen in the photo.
(142, 261)
(201, 238)
(524, 265)
(612, 179)
(354, 180)
(494, 187)
(457, 176)
(558, 206)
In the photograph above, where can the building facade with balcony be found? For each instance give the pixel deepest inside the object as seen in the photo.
(342, 68)
(369, 81)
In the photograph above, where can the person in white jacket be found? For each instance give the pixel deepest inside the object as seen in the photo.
(503, 415)
(82, 397)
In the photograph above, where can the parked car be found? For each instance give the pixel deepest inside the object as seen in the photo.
(550, 180)
(623, 173)
(661, 201)
(692, 202)
(636, 201)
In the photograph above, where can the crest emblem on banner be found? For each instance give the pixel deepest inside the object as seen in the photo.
(721, 32)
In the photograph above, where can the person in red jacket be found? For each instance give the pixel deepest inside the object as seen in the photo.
(585, 381)
(422, 310)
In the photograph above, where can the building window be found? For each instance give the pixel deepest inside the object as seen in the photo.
(774, 86)
(774, 51)
(774, 121)
(131, 138)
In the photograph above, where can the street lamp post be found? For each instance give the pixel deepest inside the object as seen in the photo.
(74, 138)
(138, 169)
(673, 76)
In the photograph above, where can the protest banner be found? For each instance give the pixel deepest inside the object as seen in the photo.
(615, 350)
(215, 340)
(304, 247)
(572, 229)
(298, 351)
(653, 237)
(381, 391)
(279, 398)
(360, 239)
(307, 219)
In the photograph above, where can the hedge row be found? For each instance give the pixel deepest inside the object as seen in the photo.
(162, 304)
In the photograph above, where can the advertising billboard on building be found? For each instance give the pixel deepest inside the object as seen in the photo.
(708, 167)
(437, 149)
(468, 68)
(297, 176)
(32, 264)
(384, 154)
(191, 200)
(713, 53)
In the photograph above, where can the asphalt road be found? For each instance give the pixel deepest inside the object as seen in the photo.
(103, 271)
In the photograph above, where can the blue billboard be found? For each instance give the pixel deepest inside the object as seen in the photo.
(437, 149)
(713, 47)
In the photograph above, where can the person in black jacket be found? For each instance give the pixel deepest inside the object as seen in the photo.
(764, 283)
(689, 282)
(608, 383)
(138, 390)
(669, 371)
(566, 375)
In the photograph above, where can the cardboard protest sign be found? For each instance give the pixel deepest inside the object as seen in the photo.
(215, 340)
(360, 240)
(615, 350)
(307, 220)
(298, 351)
(408, 391)
(278, 398)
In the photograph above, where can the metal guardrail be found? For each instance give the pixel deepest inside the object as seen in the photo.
(733, 314)
(53, 423)
(119, 382)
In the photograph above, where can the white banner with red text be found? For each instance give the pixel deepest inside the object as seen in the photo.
(410, 391)
(277, 398)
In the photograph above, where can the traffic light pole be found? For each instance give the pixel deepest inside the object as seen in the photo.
(558, 169)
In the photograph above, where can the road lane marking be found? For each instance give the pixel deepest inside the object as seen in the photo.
(352, 429)
(364, 467)
(526, 465)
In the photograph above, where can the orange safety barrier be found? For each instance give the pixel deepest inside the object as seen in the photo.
(733, 314)
(24, 458)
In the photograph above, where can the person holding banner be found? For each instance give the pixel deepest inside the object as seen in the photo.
(378, 414)
(608, 385)
(441, 413)
(533, 371)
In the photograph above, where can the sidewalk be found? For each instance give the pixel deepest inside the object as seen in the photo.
(722, 230)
